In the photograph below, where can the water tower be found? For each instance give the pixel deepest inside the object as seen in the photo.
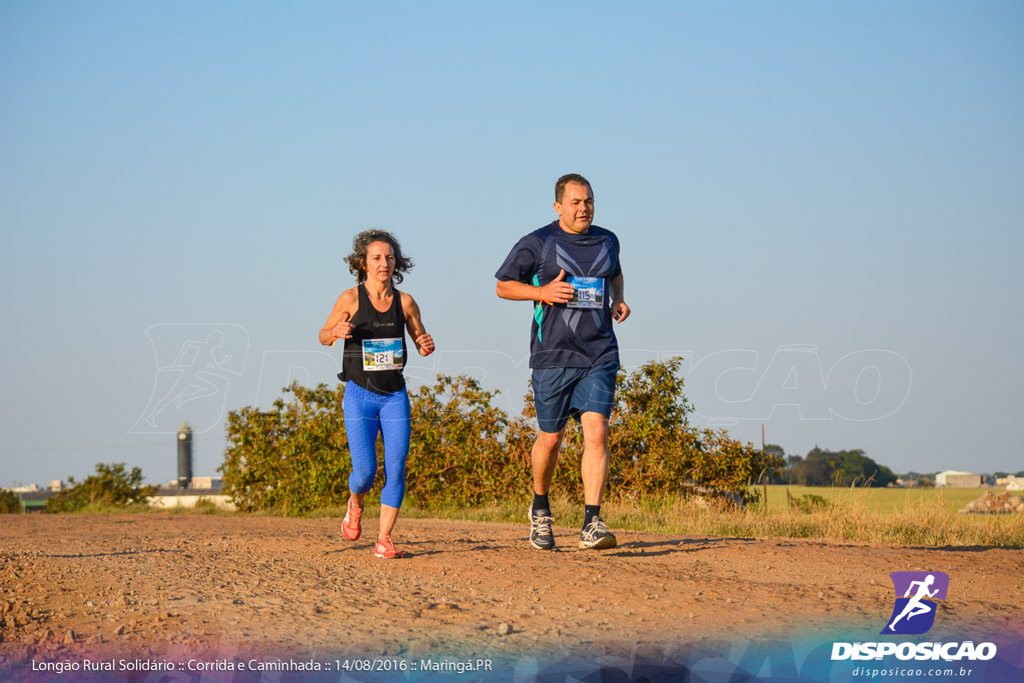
(184, 456)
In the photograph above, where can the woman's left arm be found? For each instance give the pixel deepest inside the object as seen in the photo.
(414, 323)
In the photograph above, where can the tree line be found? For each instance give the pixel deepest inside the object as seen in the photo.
(822, 467)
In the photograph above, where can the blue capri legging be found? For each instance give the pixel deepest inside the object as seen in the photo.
(366, 415)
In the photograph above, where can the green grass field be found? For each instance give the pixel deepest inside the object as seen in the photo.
(919, 517)
(923, 517)
(879, 499)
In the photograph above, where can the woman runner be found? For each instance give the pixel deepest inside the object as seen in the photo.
(372, 318)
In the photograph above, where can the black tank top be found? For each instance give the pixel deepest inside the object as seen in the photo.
(376, 354)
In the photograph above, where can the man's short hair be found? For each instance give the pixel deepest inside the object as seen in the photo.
(565, 180)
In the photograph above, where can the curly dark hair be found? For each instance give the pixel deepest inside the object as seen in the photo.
(357, 259)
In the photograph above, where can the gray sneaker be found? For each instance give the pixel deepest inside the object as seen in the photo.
(595, 536)
(540, 529)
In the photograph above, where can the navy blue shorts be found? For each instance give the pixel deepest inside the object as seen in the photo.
(561, 393)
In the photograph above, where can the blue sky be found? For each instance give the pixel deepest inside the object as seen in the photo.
(819, 206)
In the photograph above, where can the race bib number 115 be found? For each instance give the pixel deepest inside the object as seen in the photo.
(588, 292)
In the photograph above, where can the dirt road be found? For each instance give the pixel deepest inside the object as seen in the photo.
(217, 588)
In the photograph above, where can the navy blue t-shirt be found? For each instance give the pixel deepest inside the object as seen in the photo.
(578, 334)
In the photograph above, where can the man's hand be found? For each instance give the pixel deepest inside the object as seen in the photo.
(558, 291)
(620, 311)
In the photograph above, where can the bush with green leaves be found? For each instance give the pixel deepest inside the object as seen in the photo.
(466, 452)
(807, 502)
(9, 502)
(111, 486)
(655, 450)
(292, 458)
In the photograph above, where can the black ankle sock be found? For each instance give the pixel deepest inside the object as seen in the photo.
(589, 512)
(540, 502)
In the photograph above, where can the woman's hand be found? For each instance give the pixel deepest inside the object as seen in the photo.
(425, 344)
(343, 330)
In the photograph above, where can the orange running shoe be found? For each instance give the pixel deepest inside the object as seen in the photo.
(385, 549)
(350, 526)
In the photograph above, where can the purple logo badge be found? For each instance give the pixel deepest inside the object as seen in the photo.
(916, 596)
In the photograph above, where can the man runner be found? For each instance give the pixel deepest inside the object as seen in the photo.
(570, 269)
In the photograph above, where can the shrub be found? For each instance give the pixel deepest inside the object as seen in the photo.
(467, 452)
(808, 502)
(9, 502)
(111, 486)
(655, 450)
(290, 458)
(294, 458)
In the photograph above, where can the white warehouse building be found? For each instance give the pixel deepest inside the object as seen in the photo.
(955, 479)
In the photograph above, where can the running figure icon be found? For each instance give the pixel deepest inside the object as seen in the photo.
(918, 594)
(197, 364)
(915, 606)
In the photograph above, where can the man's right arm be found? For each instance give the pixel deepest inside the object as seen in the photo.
(514, 290)
(558, 291)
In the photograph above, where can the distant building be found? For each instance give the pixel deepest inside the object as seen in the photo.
(203, 489)
(956, 479)
(33, 499)
(1011, 483)
(204, 483)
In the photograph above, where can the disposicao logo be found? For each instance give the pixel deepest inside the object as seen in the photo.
(916, 596)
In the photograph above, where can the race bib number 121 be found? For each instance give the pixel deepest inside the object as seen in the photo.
(382, 354)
